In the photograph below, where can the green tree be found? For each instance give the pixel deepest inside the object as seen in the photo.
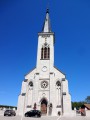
(87, 99)
(77, 105)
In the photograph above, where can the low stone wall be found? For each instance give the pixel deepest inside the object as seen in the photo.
(74, 113)
(1, 112)
(88, 113)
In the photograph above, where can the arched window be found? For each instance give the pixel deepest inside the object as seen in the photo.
(48, 52)
(31, 84)
(45, 52)
(58, 83)
(41, 53)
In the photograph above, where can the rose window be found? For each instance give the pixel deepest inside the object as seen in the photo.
(44, 84)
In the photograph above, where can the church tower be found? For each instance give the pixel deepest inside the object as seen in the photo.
(45, 88)
(45, 55)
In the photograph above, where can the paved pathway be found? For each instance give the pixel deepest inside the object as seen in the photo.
(75, 118)
(27, 118)
(45, 118)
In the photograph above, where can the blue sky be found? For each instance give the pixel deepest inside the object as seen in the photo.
(20, 22)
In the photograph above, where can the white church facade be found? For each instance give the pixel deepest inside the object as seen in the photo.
(45, 88)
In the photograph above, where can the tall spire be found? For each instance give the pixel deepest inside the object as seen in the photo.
(46, 26)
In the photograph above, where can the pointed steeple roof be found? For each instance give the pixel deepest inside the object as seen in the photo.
(46, 26)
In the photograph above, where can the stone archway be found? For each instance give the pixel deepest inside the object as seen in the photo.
(44, 106)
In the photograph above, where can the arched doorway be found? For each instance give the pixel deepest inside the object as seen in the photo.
(44, 106)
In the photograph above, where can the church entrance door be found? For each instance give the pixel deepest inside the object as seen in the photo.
(44, 106)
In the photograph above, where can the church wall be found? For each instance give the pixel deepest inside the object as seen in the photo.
(25, 101)
(30, 75)
(46, 73)
(20, 106)
(39, 93)
(67, 102)
(52, 93)
(35, 89)
(66, 98)
(29, 98)
(65, 86)
(24, 86)
(58, 96)
(52, 53)
(57, 101)
(58, 74)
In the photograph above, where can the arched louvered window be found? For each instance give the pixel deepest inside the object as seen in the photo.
(31, 84)
(45, 52)
(58, 83)
(48, 52)
(42, 53)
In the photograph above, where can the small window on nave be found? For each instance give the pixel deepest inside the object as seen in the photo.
(41, 53)
(58, 83)
(31, 84)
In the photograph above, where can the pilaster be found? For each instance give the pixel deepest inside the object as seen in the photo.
(35, 91)
(52, 93)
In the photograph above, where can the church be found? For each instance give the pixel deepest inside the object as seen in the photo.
(45, 88)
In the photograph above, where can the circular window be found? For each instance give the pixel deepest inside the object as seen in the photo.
(44, 84)
(58, 83)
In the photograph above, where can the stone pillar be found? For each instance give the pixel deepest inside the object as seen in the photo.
(52, 94)
(35, 89)
(62, 105)
(20, 107)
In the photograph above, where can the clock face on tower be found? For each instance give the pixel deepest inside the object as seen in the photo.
(44, 69)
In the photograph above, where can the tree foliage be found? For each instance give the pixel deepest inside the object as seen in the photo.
(6, 106)
(87, 99)
(77, 105)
